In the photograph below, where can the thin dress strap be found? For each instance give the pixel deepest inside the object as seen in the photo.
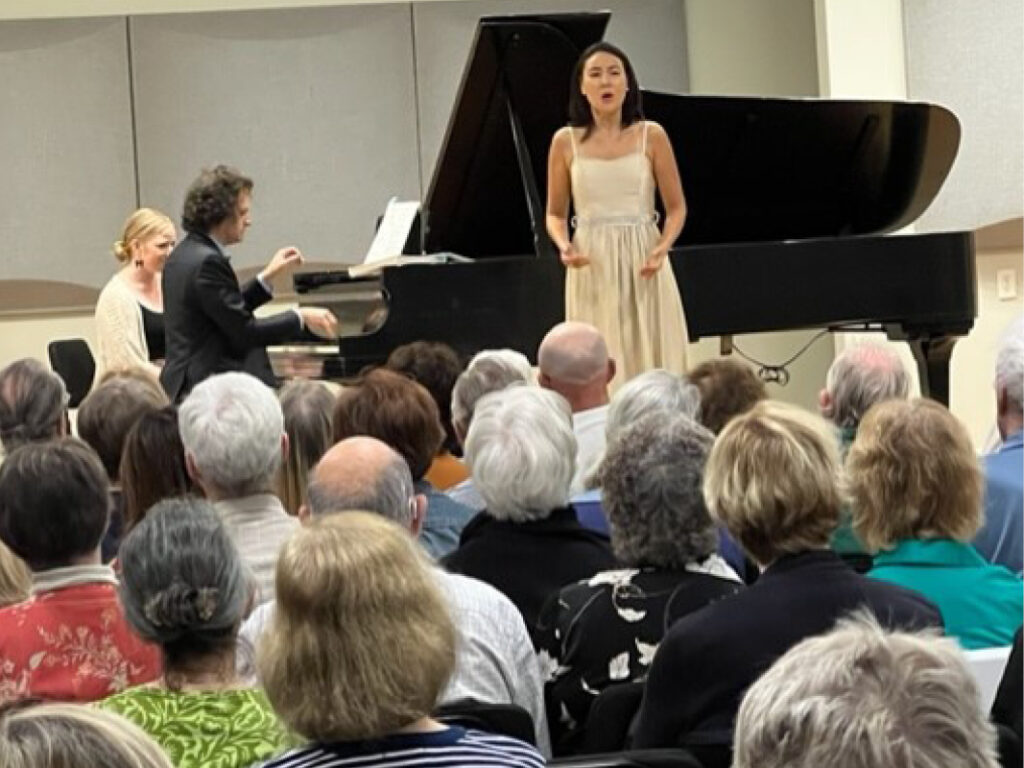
(643, 146)
(572, 136)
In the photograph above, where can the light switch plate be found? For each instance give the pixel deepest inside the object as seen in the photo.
(1006, 284)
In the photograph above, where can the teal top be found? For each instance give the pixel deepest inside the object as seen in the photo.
(205, 729)
(981, 604)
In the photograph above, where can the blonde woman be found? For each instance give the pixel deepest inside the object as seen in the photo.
(61, 735)
(359, 649)
(130, 309)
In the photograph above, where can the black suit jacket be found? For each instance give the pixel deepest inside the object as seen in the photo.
(208, 322)
(710, 657)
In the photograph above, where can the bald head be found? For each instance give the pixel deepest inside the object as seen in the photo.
(366, 474)
(573, 361)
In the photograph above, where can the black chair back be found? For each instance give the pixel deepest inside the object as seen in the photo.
(637, 758)
(611, 717)
(504, 719)
(72, 360)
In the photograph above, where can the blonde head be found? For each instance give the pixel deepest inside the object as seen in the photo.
(912, 474)
(361, 643)
(773, 479)
(70, 735)
(15, 578)
(140, 226)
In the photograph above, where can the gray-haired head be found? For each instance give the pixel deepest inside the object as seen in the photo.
(232, 426)
(362, 473)
(860, 696)
(489, 371)
(651, 482)
(33, 403)
(521, 451)
(1010, 368)
(183, 584)
(859, 377)
(656, 391)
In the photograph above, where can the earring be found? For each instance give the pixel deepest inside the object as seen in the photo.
(138, 263)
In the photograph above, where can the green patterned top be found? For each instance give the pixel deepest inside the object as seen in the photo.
(206, 729)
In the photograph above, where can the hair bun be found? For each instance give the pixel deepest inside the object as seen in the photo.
(180, 606)
(121, 251)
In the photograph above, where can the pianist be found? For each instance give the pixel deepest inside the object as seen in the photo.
(208, 318)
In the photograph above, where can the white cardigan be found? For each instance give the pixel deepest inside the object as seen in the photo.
(119, 331)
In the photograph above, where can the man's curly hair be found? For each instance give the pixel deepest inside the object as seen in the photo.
(212, 198)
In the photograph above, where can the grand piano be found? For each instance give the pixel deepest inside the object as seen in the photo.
(791, 205)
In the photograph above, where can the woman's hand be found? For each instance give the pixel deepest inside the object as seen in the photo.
(654, 261)
(572, 258)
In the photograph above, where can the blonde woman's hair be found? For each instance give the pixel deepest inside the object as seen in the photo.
(361, 643)
(773, 479)
(15, 578)
(70, 736)
(141, 225)
(307, 407)
(912, 474)
(860, 696)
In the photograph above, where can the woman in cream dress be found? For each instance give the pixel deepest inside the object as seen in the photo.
(129, 312)
(610, 162)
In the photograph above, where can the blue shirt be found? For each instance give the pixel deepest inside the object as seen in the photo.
(1001, 539)
(444, 523)
(981, 604)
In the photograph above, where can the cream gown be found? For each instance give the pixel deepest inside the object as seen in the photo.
(616, 228)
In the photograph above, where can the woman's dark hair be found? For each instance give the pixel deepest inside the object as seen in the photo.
(54, 502)
(183, 584)
(436, 366)
(580, 115)
(152, 464)
(212, 198)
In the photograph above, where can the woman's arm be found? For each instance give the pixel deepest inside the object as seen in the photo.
(559, 183)
(670, 187)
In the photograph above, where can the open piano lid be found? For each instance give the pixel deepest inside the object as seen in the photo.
(753, 169)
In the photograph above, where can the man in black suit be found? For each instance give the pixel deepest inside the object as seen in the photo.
(209, 323)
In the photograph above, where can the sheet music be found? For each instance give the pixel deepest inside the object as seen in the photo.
(393, 232)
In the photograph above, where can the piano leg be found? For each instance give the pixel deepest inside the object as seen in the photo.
(932, 356)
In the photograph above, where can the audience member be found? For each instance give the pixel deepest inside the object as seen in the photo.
(527, 543)
(15, 578)
(33, 404)
(66, 735)
(494, 660)
(916, 491)
(860, 696)
(573, 361)
(1001, 538)
(232, 428)
(727, 389)
(69, 641)
(130, 308)
(489, 371)
(859, 377)
(773, 478)
(104, 419)
(360, 648)
(1008, 707)
(401, 413)
(436, 366)
(307, 407)
(185, 589)
(152, 464)
(605, 630)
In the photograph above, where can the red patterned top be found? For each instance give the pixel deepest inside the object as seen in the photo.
(71, 644)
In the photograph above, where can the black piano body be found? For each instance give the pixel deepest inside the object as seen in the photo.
(790, 206)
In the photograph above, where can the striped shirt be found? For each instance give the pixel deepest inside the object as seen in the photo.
(453, 746)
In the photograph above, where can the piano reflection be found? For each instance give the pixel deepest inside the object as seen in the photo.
(791, 206)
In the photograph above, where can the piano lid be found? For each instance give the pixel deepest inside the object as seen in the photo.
(753, 169)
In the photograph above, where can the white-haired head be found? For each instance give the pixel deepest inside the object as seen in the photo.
(573, 361)
(489, 371)
(232, 428)
(521, 451)
(656, 391)
(860, 696)
(859, 377)
(1010, 379)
